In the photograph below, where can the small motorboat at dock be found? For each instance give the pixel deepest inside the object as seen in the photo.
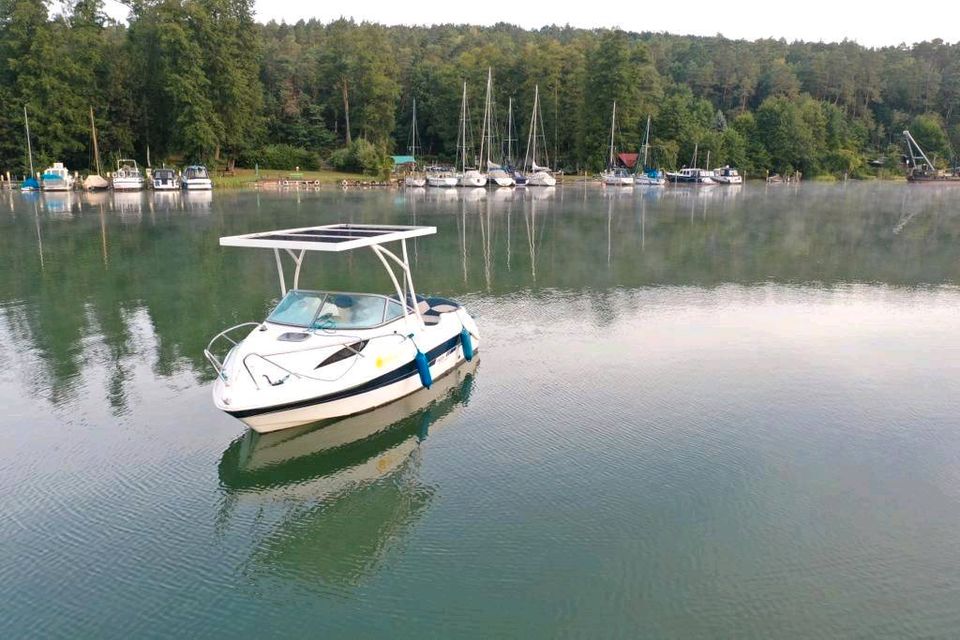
(329, 354)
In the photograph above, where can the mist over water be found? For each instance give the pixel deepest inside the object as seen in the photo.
(696, 413)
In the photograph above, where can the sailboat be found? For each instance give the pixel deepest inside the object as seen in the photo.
(647, 177)
(519, 179)
(615, 176)
(30, 182)
(495, 172)
(467, 177)
(95, 182)
(537, 176)
(414, 178)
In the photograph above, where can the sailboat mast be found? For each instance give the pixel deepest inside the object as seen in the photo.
(485, 132)
(463, 126)
(96, 150)
(510, 131)
(531, 134)
(646, 143)
(489, 119)
(26, 123)
(413, 132)
(613, 125)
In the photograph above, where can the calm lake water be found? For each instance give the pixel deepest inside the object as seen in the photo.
(696, 414)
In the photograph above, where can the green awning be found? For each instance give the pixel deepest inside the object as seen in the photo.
(398, 160)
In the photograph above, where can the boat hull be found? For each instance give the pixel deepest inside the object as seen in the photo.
(323, 409)
(414, 182)
(541, 179)
(618, 181)
(441, 181)
(197, 184)
(472, 179)
(128, 185)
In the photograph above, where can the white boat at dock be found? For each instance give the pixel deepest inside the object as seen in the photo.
(328, 354)
(645, 175)
(196, 178)
(727, 175)
(690, 175)
(127, 177)
(56, 178)
(164, 179)
(438, 176)
(414, 178)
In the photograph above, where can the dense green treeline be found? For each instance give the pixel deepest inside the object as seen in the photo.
(199, 79)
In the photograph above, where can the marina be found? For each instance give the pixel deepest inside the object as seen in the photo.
(701, 407)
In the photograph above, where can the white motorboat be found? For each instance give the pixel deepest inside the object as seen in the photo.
(536, 175)
(326, 354)
(727, 175)
(165, 180)
(127, 177)
(56, 178)
(196, 178)
(440, 177)
(691, 176)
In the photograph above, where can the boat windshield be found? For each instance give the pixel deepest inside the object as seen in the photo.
(328, 310)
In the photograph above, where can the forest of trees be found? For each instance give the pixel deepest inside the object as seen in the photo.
(201, 80)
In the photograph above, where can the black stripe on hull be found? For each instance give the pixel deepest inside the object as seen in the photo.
(398, 374)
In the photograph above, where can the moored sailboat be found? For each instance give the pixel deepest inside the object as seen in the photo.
(29, 183)
(615, 176)
(414, 178)
(647, 176)
(95, 182)
(495, 172)
(468, 175)
(537, 175)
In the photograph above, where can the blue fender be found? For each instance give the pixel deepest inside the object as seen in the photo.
(467, 344)
(423, 368)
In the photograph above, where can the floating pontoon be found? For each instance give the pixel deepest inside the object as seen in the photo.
(327, 354)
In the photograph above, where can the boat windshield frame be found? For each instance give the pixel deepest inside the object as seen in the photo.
(337, 299)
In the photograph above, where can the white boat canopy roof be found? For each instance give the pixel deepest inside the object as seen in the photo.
(337, 238)
(328, 237)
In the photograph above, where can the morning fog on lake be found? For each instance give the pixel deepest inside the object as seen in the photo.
(713, 412)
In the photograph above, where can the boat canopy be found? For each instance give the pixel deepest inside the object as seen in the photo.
(337, 238)
(330, 237)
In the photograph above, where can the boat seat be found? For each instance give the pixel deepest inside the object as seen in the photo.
(444, 308)
(430, 319)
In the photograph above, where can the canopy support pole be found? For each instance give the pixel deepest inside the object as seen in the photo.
(283, 283)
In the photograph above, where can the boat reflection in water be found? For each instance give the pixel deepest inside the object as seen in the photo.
(197, 200)
(332, 499)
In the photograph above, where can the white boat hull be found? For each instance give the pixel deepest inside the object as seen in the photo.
(267, 397)
(618, 181)
(197, 184)
(729, 179)
(414, 182)
(540, 179)
(268, 422)
(441, 181)
(647, 181)
(128, 185)
(472, 179)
